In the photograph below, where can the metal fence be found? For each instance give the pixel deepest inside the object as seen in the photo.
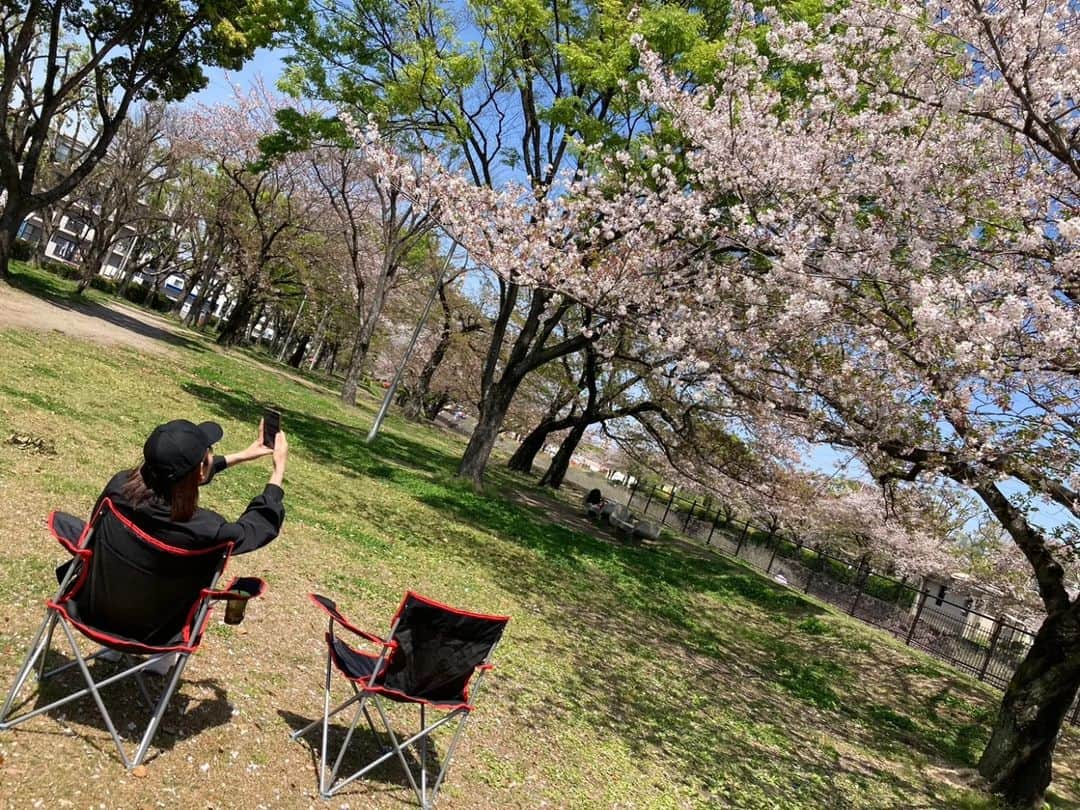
(990, 648)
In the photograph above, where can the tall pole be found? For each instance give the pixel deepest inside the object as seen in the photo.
(374, 432)
(288, 337)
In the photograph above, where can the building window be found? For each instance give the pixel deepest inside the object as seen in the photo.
(76, 225)
(115, 260)
(64, 248)
(62, 152)
(29, 232)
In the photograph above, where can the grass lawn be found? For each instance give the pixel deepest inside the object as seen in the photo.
(629, 677)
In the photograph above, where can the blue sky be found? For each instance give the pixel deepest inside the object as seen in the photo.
(266, 64)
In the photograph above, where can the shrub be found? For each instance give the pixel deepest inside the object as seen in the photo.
(106, 285)
(59, 268)
(135, 293)
(22, 251)
(161, 303)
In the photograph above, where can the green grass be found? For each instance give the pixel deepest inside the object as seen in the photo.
(630, 676)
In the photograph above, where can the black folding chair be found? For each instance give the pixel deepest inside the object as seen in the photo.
(429, 658)
(145, 599)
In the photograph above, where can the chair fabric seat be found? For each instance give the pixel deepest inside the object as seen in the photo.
(435, 656)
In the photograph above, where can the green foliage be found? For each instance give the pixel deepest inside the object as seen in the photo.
(814, 627)
(105, 285)
(22, 251)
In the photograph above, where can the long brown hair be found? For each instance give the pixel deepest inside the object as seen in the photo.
(183, 498)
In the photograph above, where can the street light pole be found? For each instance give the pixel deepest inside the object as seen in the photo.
(374, 432)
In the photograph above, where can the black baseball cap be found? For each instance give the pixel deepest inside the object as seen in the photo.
(175, 449)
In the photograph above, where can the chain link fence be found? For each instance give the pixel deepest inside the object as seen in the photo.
(989, 648)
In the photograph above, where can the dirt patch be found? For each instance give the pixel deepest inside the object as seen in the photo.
(108, 324)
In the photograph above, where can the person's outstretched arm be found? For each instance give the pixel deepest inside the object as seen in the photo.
(261, 521)
(252, 452)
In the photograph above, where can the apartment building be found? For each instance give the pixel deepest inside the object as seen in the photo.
(70, 226)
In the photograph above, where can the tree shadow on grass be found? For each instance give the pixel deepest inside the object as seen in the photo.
(363, 749)
(332, 442)
(697, 661)
(611, 599)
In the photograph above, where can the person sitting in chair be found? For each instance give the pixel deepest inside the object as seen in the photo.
(594, 502)
(161, 496)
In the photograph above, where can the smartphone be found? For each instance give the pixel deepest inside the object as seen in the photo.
(271, 426)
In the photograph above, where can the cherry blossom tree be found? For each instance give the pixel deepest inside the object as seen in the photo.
(264, 209)
(891, 267)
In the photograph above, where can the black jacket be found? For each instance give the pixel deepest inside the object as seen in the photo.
(116, 598)
(257, 526)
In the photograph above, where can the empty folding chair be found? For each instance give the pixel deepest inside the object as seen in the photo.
(145, 601)
(429, 658)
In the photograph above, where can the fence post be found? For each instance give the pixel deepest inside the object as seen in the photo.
(712, 529)
(993, 646)
(689, 516)
(645, 511)
(742, 538)
(668, 507)
(864, 574)
(918, 612)
(633, 491)
(776, 547)
(810, 579)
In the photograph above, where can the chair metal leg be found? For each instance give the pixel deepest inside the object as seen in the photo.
(162, 705)
(48, 644)
(449, 756)
(325, 728)
(93, 687)
(36, 649)
(345, 743)
(423, 759)
(394, 749)
(398, 748)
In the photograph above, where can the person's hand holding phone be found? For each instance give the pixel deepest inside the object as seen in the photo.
(259, 448)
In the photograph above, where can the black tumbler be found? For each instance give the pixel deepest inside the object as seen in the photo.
(234, 611)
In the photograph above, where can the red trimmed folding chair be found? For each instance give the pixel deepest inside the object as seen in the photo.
(429, 658)
(141, 601)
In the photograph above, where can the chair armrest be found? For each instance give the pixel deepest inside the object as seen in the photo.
(69, 530)
(330, 608)
(252, 586)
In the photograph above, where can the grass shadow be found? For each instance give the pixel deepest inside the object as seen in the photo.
(185, 716)
(332, 442)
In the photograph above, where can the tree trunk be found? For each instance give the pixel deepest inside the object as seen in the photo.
(561, 463)
(10, 221)
(1018, 758)
(249, 332)
(331, 363)
(525, 456)
(493, 408)
(125, 280)
(238, 318)
(301, 349)
(151, 291)
(356, 363)
(419, 396)
(434, 405)
(201, 297)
